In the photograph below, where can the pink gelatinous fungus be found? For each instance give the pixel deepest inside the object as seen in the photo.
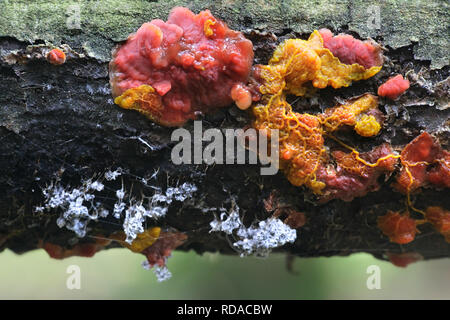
(394, 87)
(192, 62)
(350, 50)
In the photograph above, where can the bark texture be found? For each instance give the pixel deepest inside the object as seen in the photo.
(62, 120)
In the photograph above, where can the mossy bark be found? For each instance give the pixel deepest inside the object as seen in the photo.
(62, 118)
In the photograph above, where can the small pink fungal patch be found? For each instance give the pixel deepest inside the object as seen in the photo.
(56, 56)
(191, 64)
(394, 87)
(350, 50)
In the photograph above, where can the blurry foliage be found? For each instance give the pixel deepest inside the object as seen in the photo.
(117, 274)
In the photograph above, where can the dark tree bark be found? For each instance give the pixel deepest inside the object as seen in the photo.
(61, 120)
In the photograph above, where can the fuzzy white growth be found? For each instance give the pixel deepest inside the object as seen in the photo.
(112, 175)
(146, 265)
(96, 185)
(162, 273)
(133, 223)
(79, 207)
(182, 192)
(103, 213)
(118, 209)
(260, 240)
(159, 203)
(231, 223)
(120, 194)
(76, 203)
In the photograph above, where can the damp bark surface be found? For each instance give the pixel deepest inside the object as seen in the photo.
(60, 121)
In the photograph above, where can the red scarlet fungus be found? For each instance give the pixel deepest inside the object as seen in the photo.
(400, 228)
(171, 71)
(350, 50)
(394, 87)
(440, 219)
(439, 175)
(80, 250)
(56, 56)
(355, 174)
(415, 157)
(402, 260)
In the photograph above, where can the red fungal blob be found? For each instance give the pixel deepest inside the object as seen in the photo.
(350, 50)
(394, 87)
(352, 178)
(80, 250)
(241, 96)
(440, 174)
(56, 57)
(404, 259)
(162, 248)
(295, 219)
(440, 219)
(399, 228)
(192, 61)
(416, 157)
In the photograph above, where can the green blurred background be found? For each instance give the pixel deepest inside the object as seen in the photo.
(117, 274)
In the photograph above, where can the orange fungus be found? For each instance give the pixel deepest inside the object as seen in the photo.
(171, 71)
(440, 219)
(355, 174)
(297, 63)
(424, 161)
(400, 228)
(56, 57)
(439, 175)
(142, 241)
